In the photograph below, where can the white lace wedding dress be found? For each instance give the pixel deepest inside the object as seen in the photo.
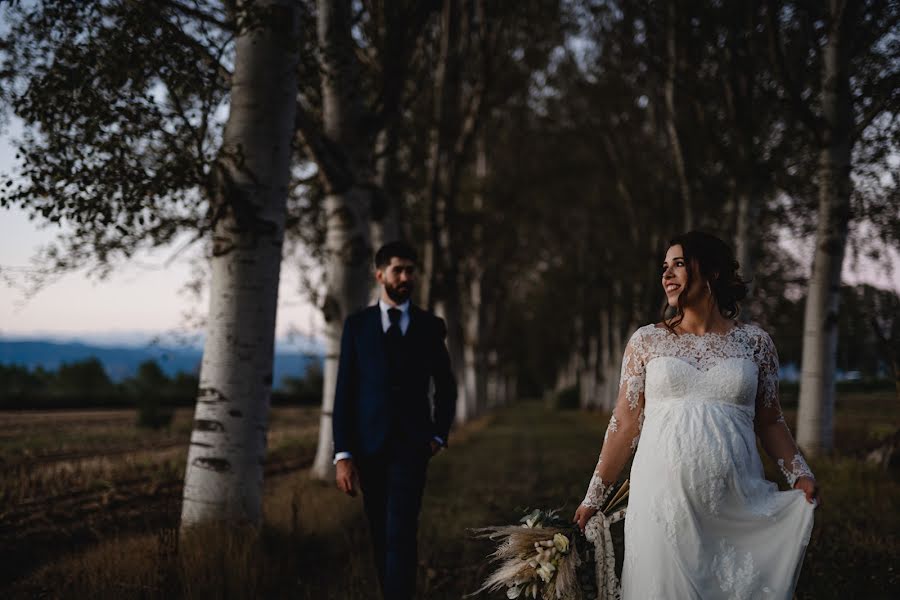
(702, 522)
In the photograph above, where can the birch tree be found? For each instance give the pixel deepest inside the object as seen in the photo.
(815, 419)
(123, 143)
(348, 200)
(857, 86)
(353, 138)
(223, 480)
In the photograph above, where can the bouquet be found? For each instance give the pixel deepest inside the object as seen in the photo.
(542, 557)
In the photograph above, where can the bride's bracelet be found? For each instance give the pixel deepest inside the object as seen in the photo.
(597, 492)
(799, 469)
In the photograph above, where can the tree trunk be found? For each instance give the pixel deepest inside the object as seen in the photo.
(446, 105)
(348, 289)
(223, 477)
(512, 388)
(606, 376)
(614, 339)
(502, 390)
(492, 378)
(450, 310)
(748, 209)
(347, 204)
(474, 313)
(587, 387)
(815, 424)
(386, 205)
(671, 124)
(441, 269)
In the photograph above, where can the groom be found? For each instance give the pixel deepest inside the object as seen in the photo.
(385, 429)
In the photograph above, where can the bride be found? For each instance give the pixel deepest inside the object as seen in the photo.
(697, 389)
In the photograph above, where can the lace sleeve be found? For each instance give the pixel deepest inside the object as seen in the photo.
(770, 426)
(624, 427)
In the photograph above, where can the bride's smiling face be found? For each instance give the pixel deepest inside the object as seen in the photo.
(675, 277)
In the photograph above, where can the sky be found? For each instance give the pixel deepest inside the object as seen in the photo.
(136, 302)
(142, 300)
(133, 305)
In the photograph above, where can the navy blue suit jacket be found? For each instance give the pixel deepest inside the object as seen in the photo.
(365, 412)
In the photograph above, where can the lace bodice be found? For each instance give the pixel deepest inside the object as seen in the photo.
(738, 368)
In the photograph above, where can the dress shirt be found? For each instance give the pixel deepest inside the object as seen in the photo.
(386, 319)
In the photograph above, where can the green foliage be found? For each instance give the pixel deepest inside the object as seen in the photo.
(149, 387)
(567, 398)
(87, 376)
(76, 384)
(868, 330)
(18, 382)
(118, 100)
(86, 384)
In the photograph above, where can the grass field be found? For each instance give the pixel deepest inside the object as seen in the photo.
(117, 538)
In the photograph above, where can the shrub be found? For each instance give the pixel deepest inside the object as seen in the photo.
(568, 398)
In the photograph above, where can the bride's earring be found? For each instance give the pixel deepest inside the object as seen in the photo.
(708, 289)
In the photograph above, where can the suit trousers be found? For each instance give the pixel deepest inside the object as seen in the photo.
(392, 482)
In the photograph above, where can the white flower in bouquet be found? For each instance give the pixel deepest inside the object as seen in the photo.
(545, 571)
(561, 542)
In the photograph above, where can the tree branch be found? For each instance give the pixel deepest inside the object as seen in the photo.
(206, 55)
(196, 13)
(334, 169)
(882, 104)
(802, 110)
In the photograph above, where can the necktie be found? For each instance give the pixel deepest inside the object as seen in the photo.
(394, 315)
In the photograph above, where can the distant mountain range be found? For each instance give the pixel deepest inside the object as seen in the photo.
(122, 361)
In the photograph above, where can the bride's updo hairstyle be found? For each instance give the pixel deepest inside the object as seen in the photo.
(716, 264)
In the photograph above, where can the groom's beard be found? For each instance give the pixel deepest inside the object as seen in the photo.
(399, 293)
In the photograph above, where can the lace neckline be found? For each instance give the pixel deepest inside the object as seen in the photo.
(688, 334)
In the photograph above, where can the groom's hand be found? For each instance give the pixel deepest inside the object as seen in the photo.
(346, 477)
(435, 447)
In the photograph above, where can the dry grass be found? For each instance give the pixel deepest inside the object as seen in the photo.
(47, 454)
(313, 543)
(62, 489)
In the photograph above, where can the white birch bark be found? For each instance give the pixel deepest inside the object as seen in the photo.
(491, 380)
(348, 290)
(815, 418)
(223, 478)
